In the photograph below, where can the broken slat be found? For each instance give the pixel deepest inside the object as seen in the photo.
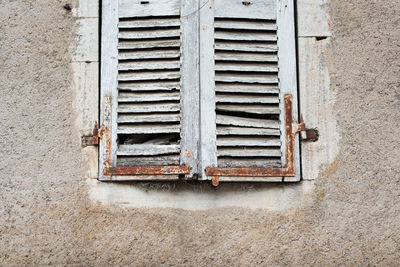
(247, 88)
(246, 66)
(245, 35)
(150, 33)
(245, 24)
(149, 22)
(246, 56)
(249, 152)
(154, 64)
(148, 107)
(125, 96)
(147, 150)
(156, 43)
(245, 46)
(248, 108)
(247, 141)
(149, 75)
(232, 130)
(149, 85)
(247, 122)
(148, 129)
(247, 98)
(245, 77)
(150, 139)
(167, 53)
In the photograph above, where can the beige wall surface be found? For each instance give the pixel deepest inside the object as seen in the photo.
(51, 215)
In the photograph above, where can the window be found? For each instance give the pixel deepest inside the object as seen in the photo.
(198, 90)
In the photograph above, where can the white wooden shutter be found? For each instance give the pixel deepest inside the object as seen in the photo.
(251, 68)
(142, 86)
(197, 84)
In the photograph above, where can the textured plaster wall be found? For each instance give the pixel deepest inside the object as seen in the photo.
(47, 217)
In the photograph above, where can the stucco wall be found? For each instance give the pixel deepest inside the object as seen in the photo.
(47, 216)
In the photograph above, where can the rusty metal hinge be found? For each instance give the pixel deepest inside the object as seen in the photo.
(91, 140)
(309, 135)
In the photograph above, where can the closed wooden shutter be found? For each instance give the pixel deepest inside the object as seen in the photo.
(142, 68)
(251, 68)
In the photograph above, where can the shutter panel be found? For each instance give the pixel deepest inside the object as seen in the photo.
(142, 71)
(246, 84)
(148, 125)
(254, 67)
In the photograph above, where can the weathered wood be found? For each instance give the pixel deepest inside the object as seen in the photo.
(245, 24)
(163, 160)
(150, 117)
(247, 122)
(247, 88)
(208, 146)
(246, 77)
(152, 64)
(190, 94)
(155, 53)
(148, 107)
(148, 129)
(260, 9)
(156, 43)
(135, 8)
(249, 152)
(149, 85)
(287, 71)
(248, 162)
(150, 33)
(108, 93)
(246, 56)
(247, 141)
(248, 108)
(149, 22)
(231, 130)
(147, 150)
(245, 35)
(246, 66)
(246, 46)
(147, 96)
(248, 98)
(149, 75)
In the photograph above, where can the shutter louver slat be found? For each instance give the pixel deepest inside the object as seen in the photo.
(147, 150)
(149, 89)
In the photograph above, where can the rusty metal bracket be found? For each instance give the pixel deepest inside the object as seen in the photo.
(91, 140)
(311, 135)
(289, 170)
(146, 170)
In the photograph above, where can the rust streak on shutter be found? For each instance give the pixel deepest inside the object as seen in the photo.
(147, 170)
(270, 172)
